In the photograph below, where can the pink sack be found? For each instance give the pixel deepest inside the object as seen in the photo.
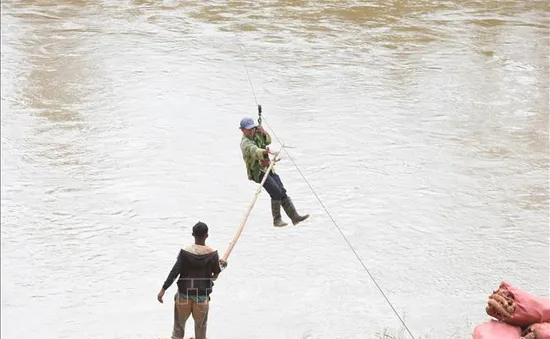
(538, 331)
(517, 307)
(496, 330)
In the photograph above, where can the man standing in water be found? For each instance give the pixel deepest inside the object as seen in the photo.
(197, 266)
(256, 158)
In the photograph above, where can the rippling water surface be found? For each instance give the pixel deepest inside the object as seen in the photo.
(422, 126)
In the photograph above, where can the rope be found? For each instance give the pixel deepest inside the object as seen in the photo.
(329, 215)
(248, 76)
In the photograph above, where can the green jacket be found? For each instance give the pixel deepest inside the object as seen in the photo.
(253, 152)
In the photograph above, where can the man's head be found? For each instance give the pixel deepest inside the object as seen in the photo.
(248, 126)
(200, 232)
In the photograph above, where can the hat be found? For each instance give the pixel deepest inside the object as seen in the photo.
(248, 123)
(200, 229)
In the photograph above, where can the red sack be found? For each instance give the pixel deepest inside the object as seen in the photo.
(496, 330)
(517, 307)
(538, 331)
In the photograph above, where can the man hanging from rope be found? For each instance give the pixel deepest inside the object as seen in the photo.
(256, 158)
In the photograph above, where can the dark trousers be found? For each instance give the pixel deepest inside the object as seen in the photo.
(274, 186)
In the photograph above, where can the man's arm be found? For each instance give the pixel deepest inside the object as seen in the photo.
(250, 149)
(174, 273)
(219, 265)
(267, 138)
(266, 135)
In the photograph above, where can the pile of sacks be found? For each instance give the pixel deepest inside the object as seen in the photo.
(518, 314)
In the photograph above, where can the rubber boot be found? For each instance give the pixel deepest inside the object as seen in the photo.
(290, 210)
(276, 211)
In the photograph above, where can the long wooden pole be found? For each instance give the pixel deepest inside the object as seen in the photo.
(240, 230)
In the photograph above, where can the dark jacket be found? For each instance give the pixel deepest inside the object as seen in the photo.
(195, 273)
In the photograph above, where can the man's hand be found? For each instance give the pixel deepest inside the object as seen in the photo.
(160, 295)
(261, 130)
(267, 151)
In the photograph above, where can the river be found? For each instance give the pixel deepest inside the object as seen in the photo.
(421, 125)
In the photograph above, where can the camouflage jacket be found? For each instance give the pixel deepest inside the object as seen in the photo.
(253, 151)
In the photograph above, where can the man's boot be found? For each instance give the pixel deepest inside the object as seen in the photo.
(290, 210)
(276, 211)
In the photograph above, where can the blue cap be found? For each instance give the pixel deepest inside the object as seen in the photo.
(248, 123)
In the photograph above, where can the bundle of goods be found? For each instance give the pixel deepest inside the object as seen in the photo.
(516, 311)
(517, 307)
(496, 330)
(537, 331)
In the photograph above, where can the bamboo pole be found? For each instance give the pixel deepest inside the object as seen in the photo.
(240, 230)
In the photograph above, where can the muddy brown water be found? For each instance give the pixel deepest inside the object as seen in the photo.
(422, 126)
